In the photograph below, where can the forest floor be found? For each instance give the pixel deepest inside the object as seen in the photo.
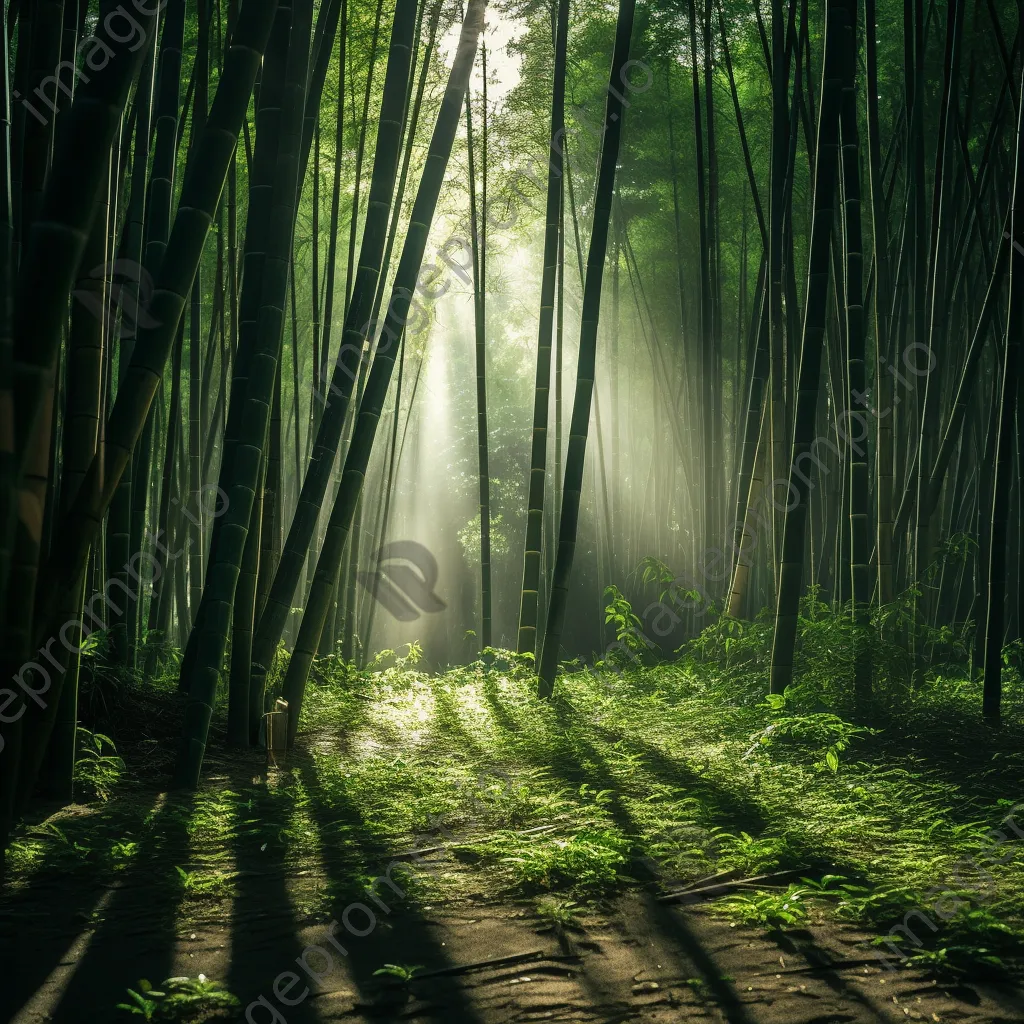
(535, 855)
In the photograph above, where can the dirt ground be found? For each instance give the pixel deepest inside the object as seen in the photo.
(70, 946)
(644, 961)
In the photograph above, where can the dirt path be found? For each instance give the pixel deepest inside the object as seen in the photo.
(73, 941)
(642, 961)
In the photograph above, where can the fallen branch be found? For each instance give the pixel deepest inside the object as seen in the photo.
(708, 891)
(501, 961)
(833, 965)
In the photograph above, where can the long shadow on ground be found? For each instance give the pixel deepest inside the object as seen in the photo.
(40, 921)
(264, 939)
(354, 855)
(581, 761)
(137, 936)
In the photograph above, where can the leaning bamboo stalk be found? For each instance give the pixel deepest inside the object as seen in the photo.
(240, 478)
(530, 594)
(204, 181)
(580, 424)
(358, 325)
(399, 313)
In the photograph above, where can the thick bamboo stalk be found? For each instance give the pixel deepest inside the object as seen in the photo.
(819, 264)
(240, 477)
(204, 181)
(358, 327)
(582, 400)
(530, 596)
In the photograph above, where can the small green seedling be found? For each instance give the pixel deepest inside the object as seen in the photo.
(403, 972)
(558, 913)
(191, 1000)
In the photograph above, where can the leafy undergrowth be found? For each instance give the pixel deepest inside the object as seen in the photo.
(676, 772)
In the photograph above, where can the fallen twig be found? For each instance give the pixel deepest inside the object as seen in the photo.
(707, 891)
(501, 961)
(833, 965)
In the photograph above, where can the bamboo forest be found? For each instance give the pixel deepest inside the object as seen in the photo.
(512, 511)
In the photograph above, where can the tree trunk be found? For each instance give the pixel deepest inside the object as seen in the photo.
(580, 424)
(819, 263)
(995, 618)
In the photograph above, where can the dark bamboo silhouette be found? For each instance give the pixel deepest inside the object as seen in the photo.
(529, 605)
(995, 617)
(580, 425)
(240, 474)
(358, 327)
(204, 181)
(819, 264)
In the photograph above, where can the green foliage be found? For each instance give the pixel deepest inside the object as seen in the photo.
(980, 925)
(774, 910)
(628, 627)
(197, 883)
(747, 854)
(106, 690)
(124, 850)
(655, 571)
(520, 803)
(550, 800)
(824, 886)
(62, 846)
(142, 1004)
(732, 644)
(558, 912)
(873, 905)
(1013, 660)
(951, 963)
(827, 732)
(469, 537)
(185, 1000)
(947, 646)
(501, 660)
(98, 769)
(334, 670)
(412, 657)
(590, 861)
(402, 972)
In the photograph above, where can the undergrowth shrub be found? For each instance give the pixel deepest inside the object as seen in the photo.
(589, 862)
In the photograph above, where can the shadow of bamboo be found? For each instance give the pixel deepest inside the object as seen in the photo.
(984, 764)
(354, 856)
(492, 695)
(591, 767)
(578, 761)
(724, 805)
(448, 727)
(39, 922)
(264, 924)
(801, 943)
(136, 938)
(675, 927)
